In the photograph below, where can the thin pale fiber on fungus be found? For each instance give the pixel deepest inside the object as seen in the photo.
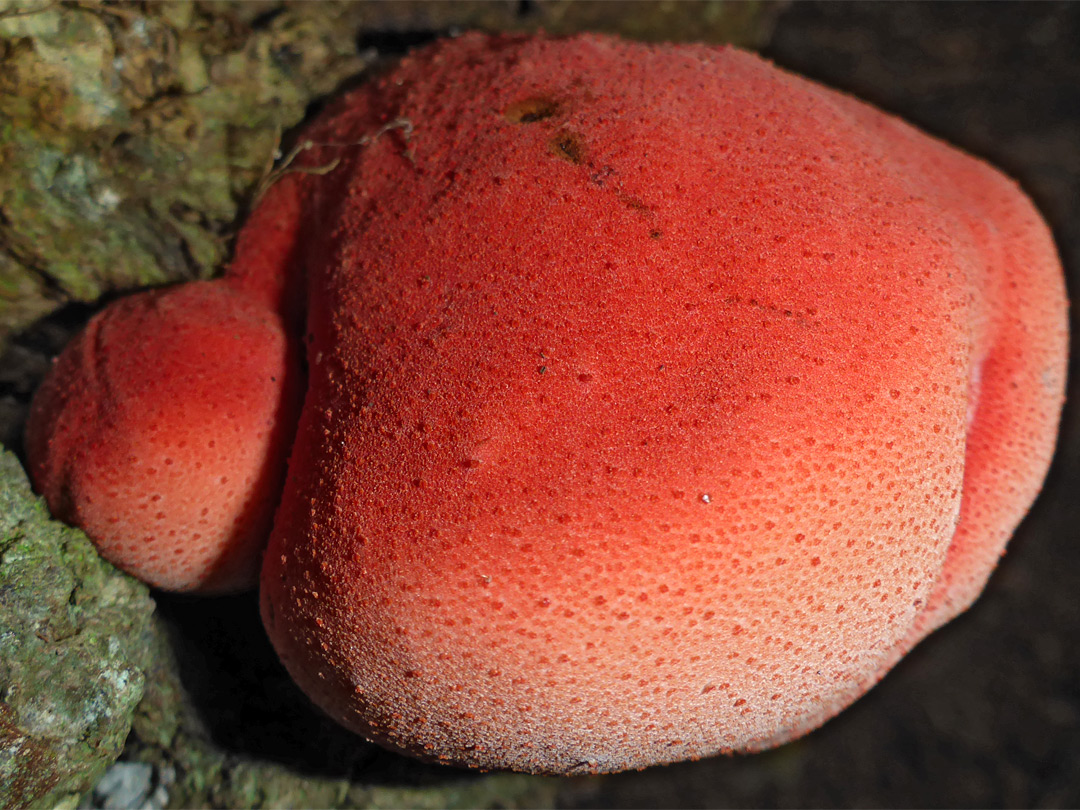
(657, 401)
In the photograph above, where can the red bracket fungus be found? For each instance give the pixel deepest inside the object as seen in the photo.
(657, 402)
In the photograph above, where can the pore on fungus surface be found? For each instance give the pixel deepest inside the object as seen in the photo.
(656, 402)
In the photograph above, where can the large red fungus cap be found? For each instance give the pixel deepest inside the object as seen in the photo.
(163, 430)
(659, 401)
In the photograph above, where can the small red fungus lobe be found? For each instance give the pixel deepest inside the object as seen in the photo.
(162, 431)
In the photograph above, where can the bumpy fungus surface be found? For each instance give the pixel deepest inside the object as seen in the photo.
(163, 430)
(658, 401)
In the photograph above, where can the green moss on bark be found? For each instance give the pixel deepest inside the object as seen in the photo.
(131, 136)
(73, 635)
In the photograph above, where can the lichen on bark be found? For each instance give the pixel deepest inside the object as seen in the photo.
(73, 649)
(130, 136)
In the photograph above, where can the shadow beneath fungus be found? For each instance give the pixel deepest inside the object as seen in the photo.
(25, 361)
(244, 702)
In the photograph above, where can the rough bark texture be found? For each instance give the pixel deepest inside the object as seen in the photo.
(73, 636)
(130, 136)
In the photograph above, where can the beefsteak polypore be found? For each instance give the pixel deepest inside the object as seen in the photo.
(658, 401)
